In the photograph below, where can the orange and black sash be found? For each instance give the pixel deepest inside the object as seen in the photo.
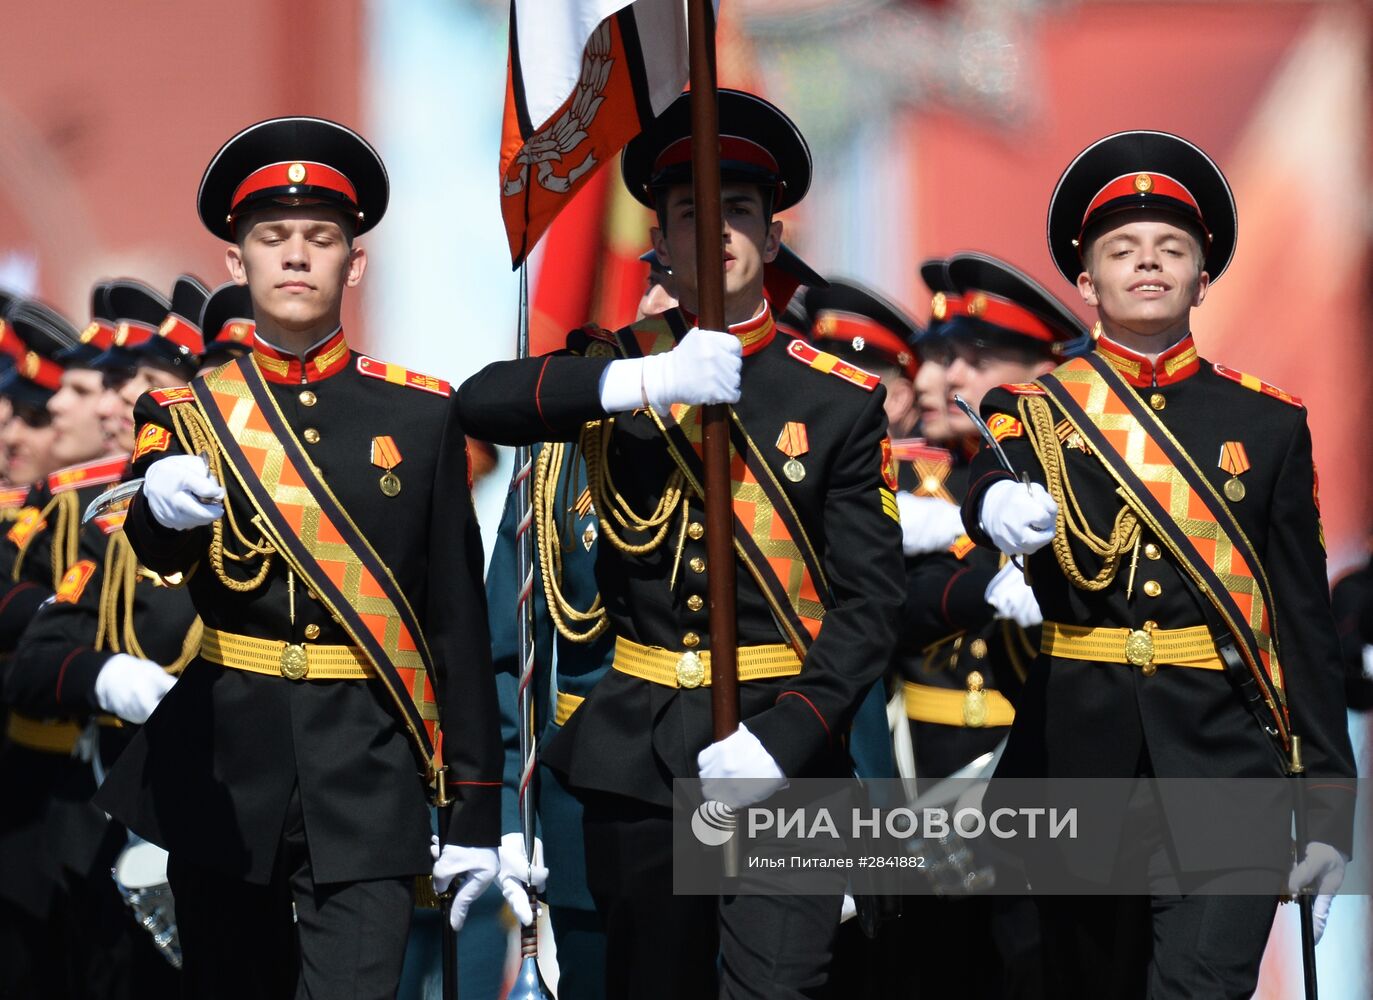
(309, 527)
(1170, 493)
(784, 564)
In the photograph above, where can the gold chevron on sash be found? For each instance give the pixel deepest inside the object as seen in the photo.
(371, 603)
(771, 529)
(1123, 431)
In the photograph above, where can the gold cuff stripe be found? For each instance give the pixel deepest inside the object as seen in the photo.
(659, 665)
(263, 656)
(1180, 647)
(944, 706)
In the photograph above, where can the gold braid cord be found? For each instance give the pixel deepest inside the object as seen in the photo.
(596, 448)
(65, 513)
(115, 622)
(548, 534)
(1038, 421)
(198, 439)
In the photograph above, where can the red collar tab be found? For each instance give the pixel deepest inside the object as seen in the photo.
(40, 371)
(96, 473)
(98, 334)
(811, 357)
(1011, 316)
(862, 333)
(294, 177)
(182, 333)
(328, 357)
(756, 333)
(910, 449)
(11, 343)
(13, 497)
(946, 305)
(131, 333)
(733, 148)
(1145, 185)
(1175, 364)
(236, 331)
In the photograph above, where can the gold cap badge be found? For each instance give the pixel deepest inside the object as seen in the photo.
(1144, 183)
(295, 173)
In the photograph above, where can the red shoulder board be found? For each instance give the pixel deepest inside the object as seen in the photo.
(74, 581)
(1258, 385)
(12, 497)
(1023, 388)
(823, 362)
(27, 523)
(397, 375)
(112, 521)
(961, 546)
(171, 396)
(911, 449)
(98, 473)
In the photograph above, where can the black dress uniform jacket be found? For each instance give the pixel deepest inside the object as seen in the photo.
(210, 774)
(1085, 719)
(800, 720)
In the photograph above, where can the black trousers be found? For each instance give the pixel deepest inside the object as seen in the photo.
(693, 947)
(239, 939)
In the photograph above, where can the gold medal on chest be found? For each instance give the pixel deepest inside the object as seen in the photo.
(793, 442)
(794, 470)
(385, 455)
(1234, 460)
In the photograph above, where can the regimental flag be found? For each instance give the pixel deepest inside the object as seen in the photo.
(584, 77)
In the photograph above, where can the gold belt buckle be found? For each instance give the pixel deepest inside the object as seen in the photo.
(691, 671)
(1139, 651)
(295, 663)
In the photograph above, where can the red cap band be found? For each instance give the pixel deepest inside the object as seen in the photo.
(830, 324)
(182, 333)
(98, 334)
(131, 333)
(10, 343)
(1140, 185)
(293, 174)
(732, 147)
(236, 331)
(40, 371)
(1004, 313)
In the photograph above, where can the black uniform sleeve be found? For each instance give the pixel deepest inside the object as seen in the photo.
(946, 594)
(1351, 600)
(863, 564)
(455, 624)
(532, 399)
(986, 469)
(1310, 654)
(162, 550)
(55, 664)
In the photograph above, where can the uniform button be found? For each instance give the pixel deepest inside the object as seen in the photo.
(697, 564)
(311, 594)
(978, 649)
(1151, 588)
(312, 631)
(311, 436)
(1157, 401)
(1152, 551)
(695, 602)
(691, 640)
(696, 529)
(308, 398)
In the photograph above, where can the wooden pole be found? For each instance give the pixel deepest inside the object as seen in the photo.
(710, 304)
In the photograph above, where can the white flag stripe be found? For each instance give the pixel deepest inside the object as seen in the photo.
(663, 35)
(551, 35)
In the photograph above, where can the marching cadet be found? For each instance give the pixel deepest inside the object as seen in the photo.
(50, 836)
(1179, 592)
(814, 432)
(321, 496)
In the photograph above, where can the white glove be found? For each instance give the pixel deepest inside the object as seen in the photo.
(848, 909)
(928, 524)
(1012, 598)
(704, 367)
(515, 868)
(1018, 520)
(131, 688)
(475, 867)
(1323, 867)
(738, 771)
(182, 494)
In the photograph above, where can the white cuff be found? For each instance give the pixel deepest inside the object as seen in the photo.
(622, 385)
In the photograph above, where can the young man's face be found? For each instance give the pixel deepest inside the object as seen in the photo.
(116, 406)
(976, 370)
(78, 435)
(27, 440)
(657, 297)
(296, 262)
(1144, 274)
(932, 401)
(899, 404)
(749, 240)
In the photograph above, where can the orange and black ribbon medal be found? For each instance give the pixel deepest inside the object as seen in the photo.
(1234, 460)
(793, 443)
(385, 455)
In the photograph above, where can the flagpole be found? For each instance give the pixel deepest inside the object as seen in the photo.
(710, 305)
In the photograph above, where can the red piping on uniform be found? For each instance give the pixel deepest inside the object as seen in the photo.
(944, 598)
(4, 601)
(798, 694)
(484, 784)
(57, 693)
(538, 386)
